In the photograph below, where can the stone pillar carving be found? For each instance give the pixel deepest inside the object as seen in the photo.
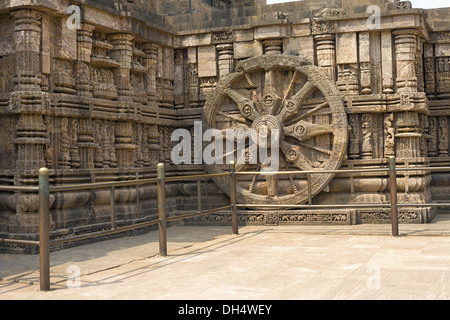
(140, 144)
(354, 136)
(124, 144)
(273, 46)
(27, 99)
(432, 134)
(84, 50)
(154, 148)
(408, 135)
(27, 41)
(98, 155)
(179, 80)
(86, 143)
(443, 136)
(419, 64)
(364, 62)
(347, 63)
(150, 62)
(74, 154)
(443, 77)
(64, 144)
(122, 52)
(389, 135)
(387, 62)
(348, 82)
(405, 57)
(430, 71)
(423, 119)
(326, 53)
(138, 75)
(226, 58)
(193, 85)
(366, 149)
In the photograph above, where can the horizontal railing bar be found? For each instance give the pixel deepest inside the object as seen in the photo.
(423, 205)
(197, 176)
(305, 206)
(310, 172)
(19, 189)
(399, 170)
(370, 205)
(18, 241)
(197, 214)
(104, 232)
(100, 185)
(424, 169)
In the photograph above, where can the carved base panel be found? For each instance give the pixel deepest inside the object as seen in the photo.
(405, 215)
(282, 217)
(316, 217)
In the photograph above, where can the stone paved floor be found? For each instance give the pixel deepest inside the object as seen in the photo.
(281, 263)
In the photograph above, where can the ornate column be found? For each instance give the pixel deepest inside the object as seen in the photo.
(408, 134)
(430, 71)
(326, 53)
(387, 62)
(366, 148)
(27, 99)
(443, 77)
(84, 50)
(405, 57)
(273, 46)
(364, 62)
(443, 136)
(153, 145)
(354, 136)
(150, 62)
(122, 52)
(124, 144)
(27, 41)
(226, 58)
(408, 125)
(86, 145)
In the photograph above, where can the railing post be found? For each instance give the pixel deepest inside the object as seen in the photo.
(308, 180)
(113, 209)
(161, 175)
(234, 218)
(44, 230)
(393, 193)
(199, 195)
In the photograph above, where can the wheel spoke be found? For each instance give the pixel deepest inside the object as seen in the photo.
(238, 132)
(295, 156)
(234, 117)
(319, 149)
(245, 105)
(312, 111)
(271, 100)
(303, 130)
(291, 105)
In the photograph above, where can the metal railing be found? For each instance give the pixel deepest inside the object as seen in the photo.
(44, 189)
(392, 204)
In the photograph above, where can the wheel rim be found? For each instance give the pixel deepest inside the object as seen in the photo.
(281, 92)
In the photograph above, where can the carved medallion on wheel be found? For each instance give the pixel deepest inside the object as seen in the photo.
(299, 100)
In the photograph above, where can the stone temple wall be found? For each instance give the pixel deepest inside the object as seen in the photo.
(99, 102)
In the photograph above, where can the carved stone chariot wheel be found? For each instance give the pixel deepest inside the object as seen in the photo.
(280, 92)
